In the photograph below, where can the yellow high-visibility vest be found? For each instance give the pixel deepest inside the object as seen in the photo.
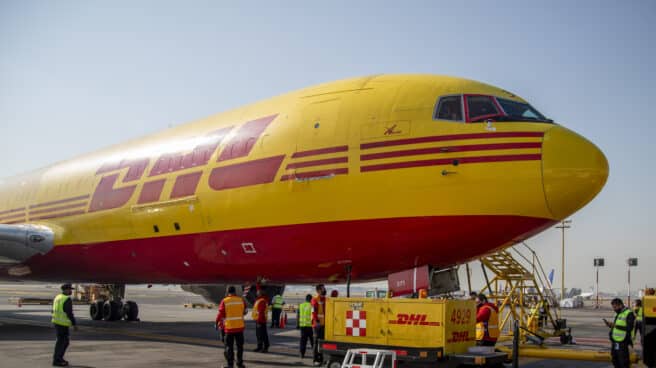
(619, 327)
(305, 315)
(234, 309)
(59, 317)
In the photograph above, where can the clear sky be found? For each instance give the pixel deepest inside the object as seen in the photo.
(79, 75)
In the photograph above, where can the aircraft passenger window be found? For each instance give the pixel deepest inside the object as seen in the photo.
(449, 108)
(480, 107)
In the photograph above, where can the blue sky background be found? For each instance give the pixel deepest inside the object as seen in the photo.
(79, 75)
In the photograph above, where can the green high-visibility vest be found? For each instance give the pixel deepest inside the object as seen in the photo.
(619, 328)
(638, 313)
(305, 315)
(59, 317)
(277, 302)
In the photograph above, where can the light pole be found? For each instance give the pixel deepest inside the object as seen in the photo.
(598, 262)
(631, 262)
(565, 224)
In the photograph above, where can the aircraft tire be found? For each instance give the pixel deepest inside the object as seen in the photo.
(111, 310)
(130, 311)
(96, 310)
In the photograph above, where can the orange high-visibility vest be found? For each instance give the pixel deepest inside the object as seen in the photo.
(320, 311)
(255, 313)
(234, 311)
(490, 328)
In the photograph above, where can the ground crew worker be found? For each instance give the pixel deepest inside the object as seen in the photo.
(260, 317)
(276, 309)
(473, 295)
(231, 312)
(305, 324)
(637, 311)
(487, 322)
(62, 319)
(620, 333)
(318, 322)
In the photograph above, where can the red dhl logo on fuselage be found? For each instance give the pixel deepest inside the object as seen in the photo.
(108, 194)
(412, 319)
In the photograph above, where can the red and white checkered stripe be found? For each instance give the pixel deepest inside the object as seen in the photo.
(356, 323)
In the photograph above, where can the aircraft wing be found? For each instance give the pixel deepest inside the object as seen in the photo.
(18, 243)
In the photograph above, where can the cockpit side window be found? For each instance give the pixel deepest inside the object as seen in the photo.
(449, 108)
(480, 107)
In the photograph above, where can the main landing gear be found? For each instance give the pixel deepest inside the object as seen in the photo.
(114, 309)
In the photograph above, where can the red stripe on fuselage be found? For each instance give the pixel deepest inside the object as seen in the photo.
(58, 208)
(450, 149)
(327, 161)
(301, 253)
(14, 210)
(450, 161)
(450, 137)
(60, 201)
(248, 173)
(320, 151)
(13, 216)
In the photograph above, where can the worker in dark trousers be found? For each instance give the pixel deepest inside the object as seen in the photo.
(305, 324)
(620, 333)
(63, 319)
(276, 310)
(637, 311)
(318, 322)
(231, 312)
(259, 315)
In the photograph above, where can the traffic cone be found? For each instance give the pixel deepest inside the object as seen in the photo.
(283, 319)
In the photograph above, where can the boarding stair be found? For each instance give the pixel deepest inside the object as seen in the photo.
(523, 293)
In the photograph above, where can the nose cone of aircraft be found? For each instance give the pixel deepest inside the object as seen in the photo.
(573, 171)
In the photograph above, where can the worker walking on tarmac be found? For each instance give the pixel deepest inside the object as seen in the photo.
(62, 318)
(318, 321)
(305, 324)
(637, 310)
(231, 312)
(260, 317)
(487, 322)
(276, 309)
(620, 333)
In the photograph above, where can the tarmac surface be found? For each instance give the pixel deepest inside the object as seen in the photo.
(170, 335)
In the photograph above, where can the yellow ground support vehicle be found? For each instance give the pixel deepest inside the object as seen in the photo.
(649, 329)
(426, 332)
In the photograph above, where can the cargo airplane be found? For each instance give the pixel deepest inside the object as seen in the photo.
(360, 177)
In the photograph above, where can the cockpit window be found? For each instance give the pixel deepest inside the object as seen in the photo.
(480, 107)
(520, 110)
(449, 108)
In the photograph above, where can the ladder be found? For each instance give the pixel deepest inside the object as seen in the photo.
(520, 288)
(379, 358)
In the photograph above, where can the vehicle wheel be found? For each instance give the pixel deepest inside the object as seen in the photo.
(96, 310)
(130, 311)
(332, 363)
(111, 310)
